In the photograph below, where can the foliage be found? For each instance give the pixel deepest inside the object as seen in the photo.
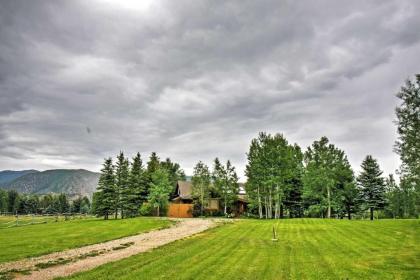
(160, 189)
(408, 143)
(174, 170)
(400, 198)
(327, 179)
(372, 185)
(123, 189)
(41, 204)
(146, 209)
(201, 180)
(106, 200)
(138, 185)
(274, 171)
(225, 182)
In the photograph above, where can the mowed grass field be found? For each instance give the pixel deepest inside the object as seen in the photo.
(33, 240)
(306, 249)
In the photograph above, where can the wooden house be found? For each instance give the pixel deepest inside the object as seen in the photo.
(182, 202)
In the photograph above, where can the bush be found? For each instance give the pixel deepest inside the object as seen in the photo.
(146, 210)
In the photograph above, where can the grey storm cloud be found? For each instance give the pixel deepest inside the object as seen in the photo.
(192, 80)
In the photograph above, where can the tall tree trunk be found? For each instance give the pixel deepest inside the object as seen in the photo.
(371, 213)
(259, 203)
(266, 206)
(116, 213)
(225, 210)
(329, 202)
(281, 211)
(349, 213)
(202, 201)
(270, 207)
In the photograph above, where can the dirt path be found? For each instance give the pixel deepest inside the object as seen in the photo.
(85, 258)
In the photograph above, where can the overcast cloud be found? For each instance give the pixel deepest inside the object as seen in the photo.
(192, 80)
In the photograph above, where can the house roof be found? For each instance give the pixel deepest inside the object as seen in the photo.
(184, 189)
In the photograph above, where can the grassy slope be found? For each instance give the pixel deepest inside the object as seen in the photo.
(307, 249)
(33, 240)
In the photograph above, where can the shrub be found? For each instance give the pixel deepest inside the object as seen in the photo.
(146, 209)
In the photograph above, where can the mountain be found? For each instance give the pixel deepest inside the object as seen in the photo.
(7, 176)
(69, 181)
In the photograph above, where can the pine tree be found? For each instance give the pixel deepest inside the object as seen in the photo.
(174, 170)
(201, 180)
(3, 201)
(137, 184)
(153, 164)
(105, 199)
(350, 198)
(122, 185)
(372, 185)
(63, 203)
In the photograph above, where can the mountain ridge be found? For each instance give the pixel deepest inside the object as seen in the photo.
(69, 181)
(7, 176)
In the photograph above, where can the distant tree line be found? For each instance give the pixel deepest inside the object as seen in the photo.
(126, 186)
(13, 202)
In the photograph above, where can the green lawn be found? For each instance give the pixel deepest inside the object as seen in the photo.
(34, 240)
(306, 249)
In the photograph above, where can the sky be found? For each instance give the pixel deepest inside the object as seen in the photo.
(195, 80)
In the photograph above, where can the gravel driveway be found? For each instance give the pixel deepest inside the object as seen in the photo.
(85, 258)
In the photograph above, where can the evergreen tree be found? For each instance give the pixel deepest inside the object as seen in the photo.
(105, 199)
(153, 164)
(63, 203)
(372, 185)
(408, 143)
(138, 193)
(3, 201)
(201, 185)
(12, 201)
(160, 189)
(76, 204)
(85, 205)
(350, 199)
(122, 185)
(174, 170)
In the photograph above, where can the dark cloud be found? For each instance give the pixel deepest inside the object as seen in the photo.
(197, 79)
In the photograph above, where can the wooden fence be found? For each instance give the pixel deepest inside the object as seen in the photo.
(178, 210)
